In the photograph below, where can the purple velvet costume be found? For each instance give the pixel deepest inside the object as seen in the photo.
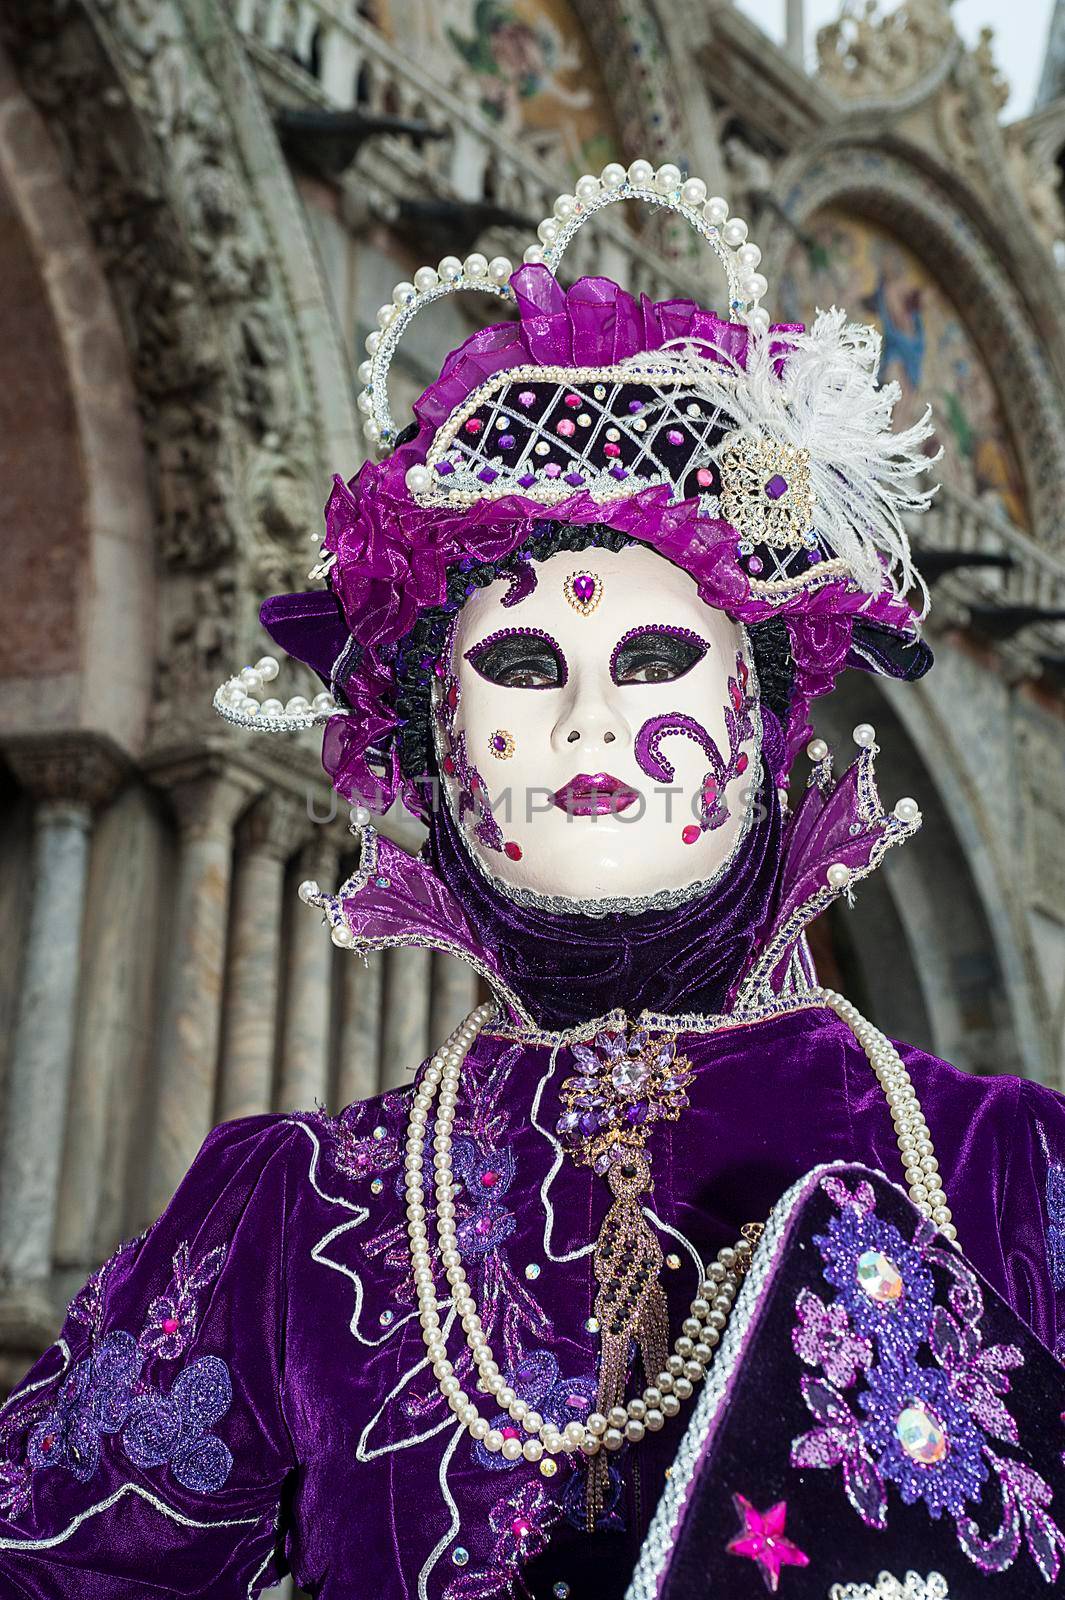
(245, 1387)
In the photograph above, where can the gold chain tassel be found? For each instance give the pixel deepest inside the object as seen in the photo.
(630, 1303)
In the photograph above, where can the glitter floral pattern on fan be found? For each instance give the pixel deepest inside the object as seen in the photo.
(933, 1395)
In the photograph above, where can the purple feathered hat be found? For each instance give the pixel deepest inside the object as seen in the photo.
(759, 459)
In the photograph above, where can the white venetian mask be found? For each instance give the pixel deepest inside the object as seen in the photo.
(598, 739)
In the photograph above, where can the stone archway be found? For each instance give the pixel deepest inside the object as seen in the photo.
(940, 946)
(77, 653)
(894, 190)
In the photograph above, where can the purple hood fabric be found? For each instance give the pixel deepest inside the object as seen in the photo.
(567, 967)
(341, 1460)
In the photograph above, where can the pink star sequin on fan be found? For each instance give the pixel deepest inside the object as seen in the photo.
(761, 1539)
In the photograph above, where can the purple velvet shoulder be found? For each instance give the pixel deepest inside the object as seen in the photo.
(1006, 1141)
(151, 1436)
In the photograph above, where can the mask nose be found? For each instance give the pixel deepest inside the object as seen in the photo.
(592, 721)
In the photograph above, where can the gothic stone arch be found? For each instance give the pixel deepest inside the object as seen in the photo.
(890, 188)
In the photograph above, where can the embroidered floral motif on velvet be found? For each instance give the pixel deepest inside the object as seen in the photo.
(172, 1318)
(1055, 1201)
(23, 1409)
(932, 1400)
(823, 1337)
(483, 1163)
(521, 1522)
(106, 1394)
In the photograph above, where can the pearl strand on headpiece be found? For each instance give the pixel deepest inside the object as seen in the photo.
(700, 1331)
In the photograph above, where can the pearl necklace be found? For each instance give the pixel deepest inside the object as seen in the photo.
(701, 1329)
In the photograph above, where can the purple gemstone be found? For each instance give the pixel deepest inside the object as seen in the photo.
(635, 406)
(813, 557)
(666, 1052)
(754, 565)
(526, 398)
(568, 1122)
(637, 1112)
(618, 472)
(587, 1060)
(589, 1124)
(638, 1042)
(488, 474)
(584, 587)
(610, 1044)
(674, 436)
(601, 1164)
(776, 486)
(505, 441)
(527, 480)
(575, 478)
(552, 470)
(444, 467)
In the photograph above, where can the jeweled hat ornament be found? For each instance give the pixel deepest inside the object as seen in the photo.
(759, 458)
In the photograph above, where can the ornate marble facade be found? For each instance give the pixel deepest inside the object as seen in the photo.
(188, 281)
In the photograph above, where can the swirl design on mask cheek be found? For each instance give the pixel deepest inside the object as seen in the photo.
(740, 725)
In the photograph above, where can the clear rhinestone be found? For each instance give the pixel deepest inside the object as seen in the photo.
(460, 1556)
(879, 1277)
(532, 1270)
(629, 1077)
(920, 1435)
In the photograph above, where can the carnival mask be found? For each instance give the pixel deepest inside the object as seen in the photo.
(597, 728)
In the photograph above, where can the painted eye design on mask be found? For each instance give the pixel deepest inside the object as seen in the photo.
(519, 658)
(656, 655)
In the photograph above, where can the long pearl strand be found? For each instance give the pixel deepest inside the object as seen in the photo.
(701, 1330)
(911, 1129)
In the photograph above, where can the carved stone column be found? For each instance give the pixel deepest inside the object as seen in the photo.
(207, 798)
(68, 779)
(405, 1035)
(308, 988)
(359, 1042)
(267, 837)
(454, 995)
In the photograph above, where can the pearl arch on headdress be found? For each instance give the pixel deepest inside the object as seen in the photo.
(667, 187)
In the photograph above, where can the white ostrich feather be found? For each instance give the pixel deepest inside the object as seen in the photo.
(826, 401)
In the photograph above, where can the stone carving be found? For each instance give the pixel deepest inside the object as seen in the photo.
(151, 153)
(1044, 816)
(866, 56)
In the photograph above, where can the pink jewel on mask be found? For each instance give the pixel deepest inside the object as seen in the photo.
(526, 398)
(584, 591)
(567, 427)
(691, 833)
